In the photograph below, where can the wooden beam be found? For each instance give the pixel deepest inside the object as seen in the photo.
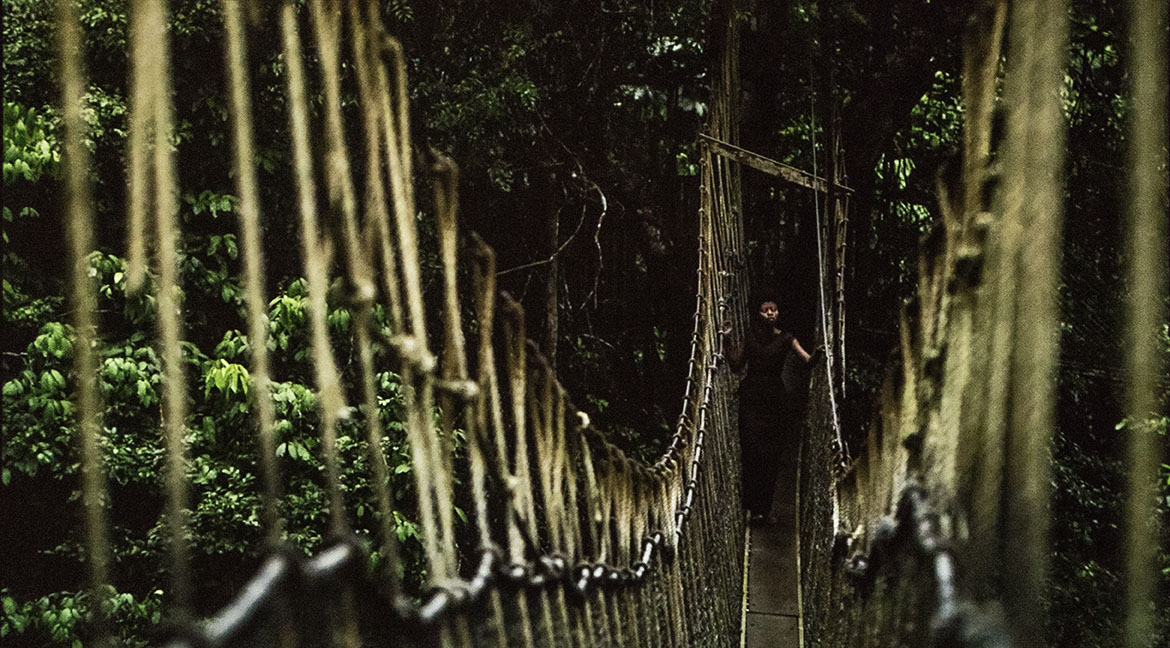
(770, 166)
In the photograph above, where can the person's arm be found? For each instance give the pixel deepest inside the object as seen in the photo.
(735, 354)
(804, 355)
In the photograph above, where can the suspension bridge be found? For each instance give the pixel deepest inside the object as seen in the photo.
(932, 532)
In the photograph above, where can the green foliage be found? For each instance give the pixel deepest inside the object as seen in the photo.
(37, 406)
(62, 617)
(30, 147)
(28, 51)
(212, 203)
(905, 181)
(39, 460)
(223, 469)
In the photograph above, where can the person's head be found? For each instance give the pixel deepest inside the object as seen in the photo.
(769, 311)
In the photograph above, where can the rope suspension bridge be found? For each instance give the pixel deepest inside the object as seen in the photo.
(933, 532)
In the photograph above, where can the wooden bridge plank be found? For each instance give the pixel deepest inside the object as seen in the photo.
(772, 630)
(770, 166)
(772, 579)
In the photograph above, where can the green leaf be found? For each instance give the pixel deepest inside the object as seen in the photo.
(13, 388)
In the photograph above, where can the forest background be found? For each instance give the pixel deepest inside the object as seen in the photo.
(575, 126)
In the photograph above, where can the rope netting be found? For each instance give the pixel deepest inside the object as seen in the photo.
(937, 533)
(569, 541)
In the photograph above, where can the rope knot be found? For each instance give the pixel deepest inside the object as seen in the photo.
(553, 566)
(517, 573)
(581, 577)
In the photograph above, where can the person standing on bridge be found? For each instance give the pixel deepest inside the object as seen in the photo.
(766, 433)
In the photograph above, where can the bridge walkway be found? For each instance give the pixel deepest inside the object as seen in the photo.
(771, 603)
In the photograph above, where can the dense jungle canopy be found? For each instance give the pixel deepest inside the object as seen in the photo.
(575, 128)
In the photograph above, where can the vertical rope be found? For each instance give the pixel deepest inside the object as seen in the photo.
(396, 118)
(840, 226)
(1033, 198)
(368, 38)
(535, 427)
(561, 467)
(615, 537)
(636, 532)
(454, 365)
(518, 485)
(249, 209)
(1147, 278)
(366, 60)
(326, 20)
(517, 362)
(977, 462)
(576, 508)
(983, 44)
(430, 451)
(838, 442)
(595, 518)
(660, 603)
(169, 302)
(83, 304)
(139, 142)
(479, 421)
(540, 406)
(316, 253)
(645, 525)
(484, 283)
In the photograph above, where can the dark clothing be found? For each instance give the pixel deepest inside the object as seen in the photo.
(765, 431)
